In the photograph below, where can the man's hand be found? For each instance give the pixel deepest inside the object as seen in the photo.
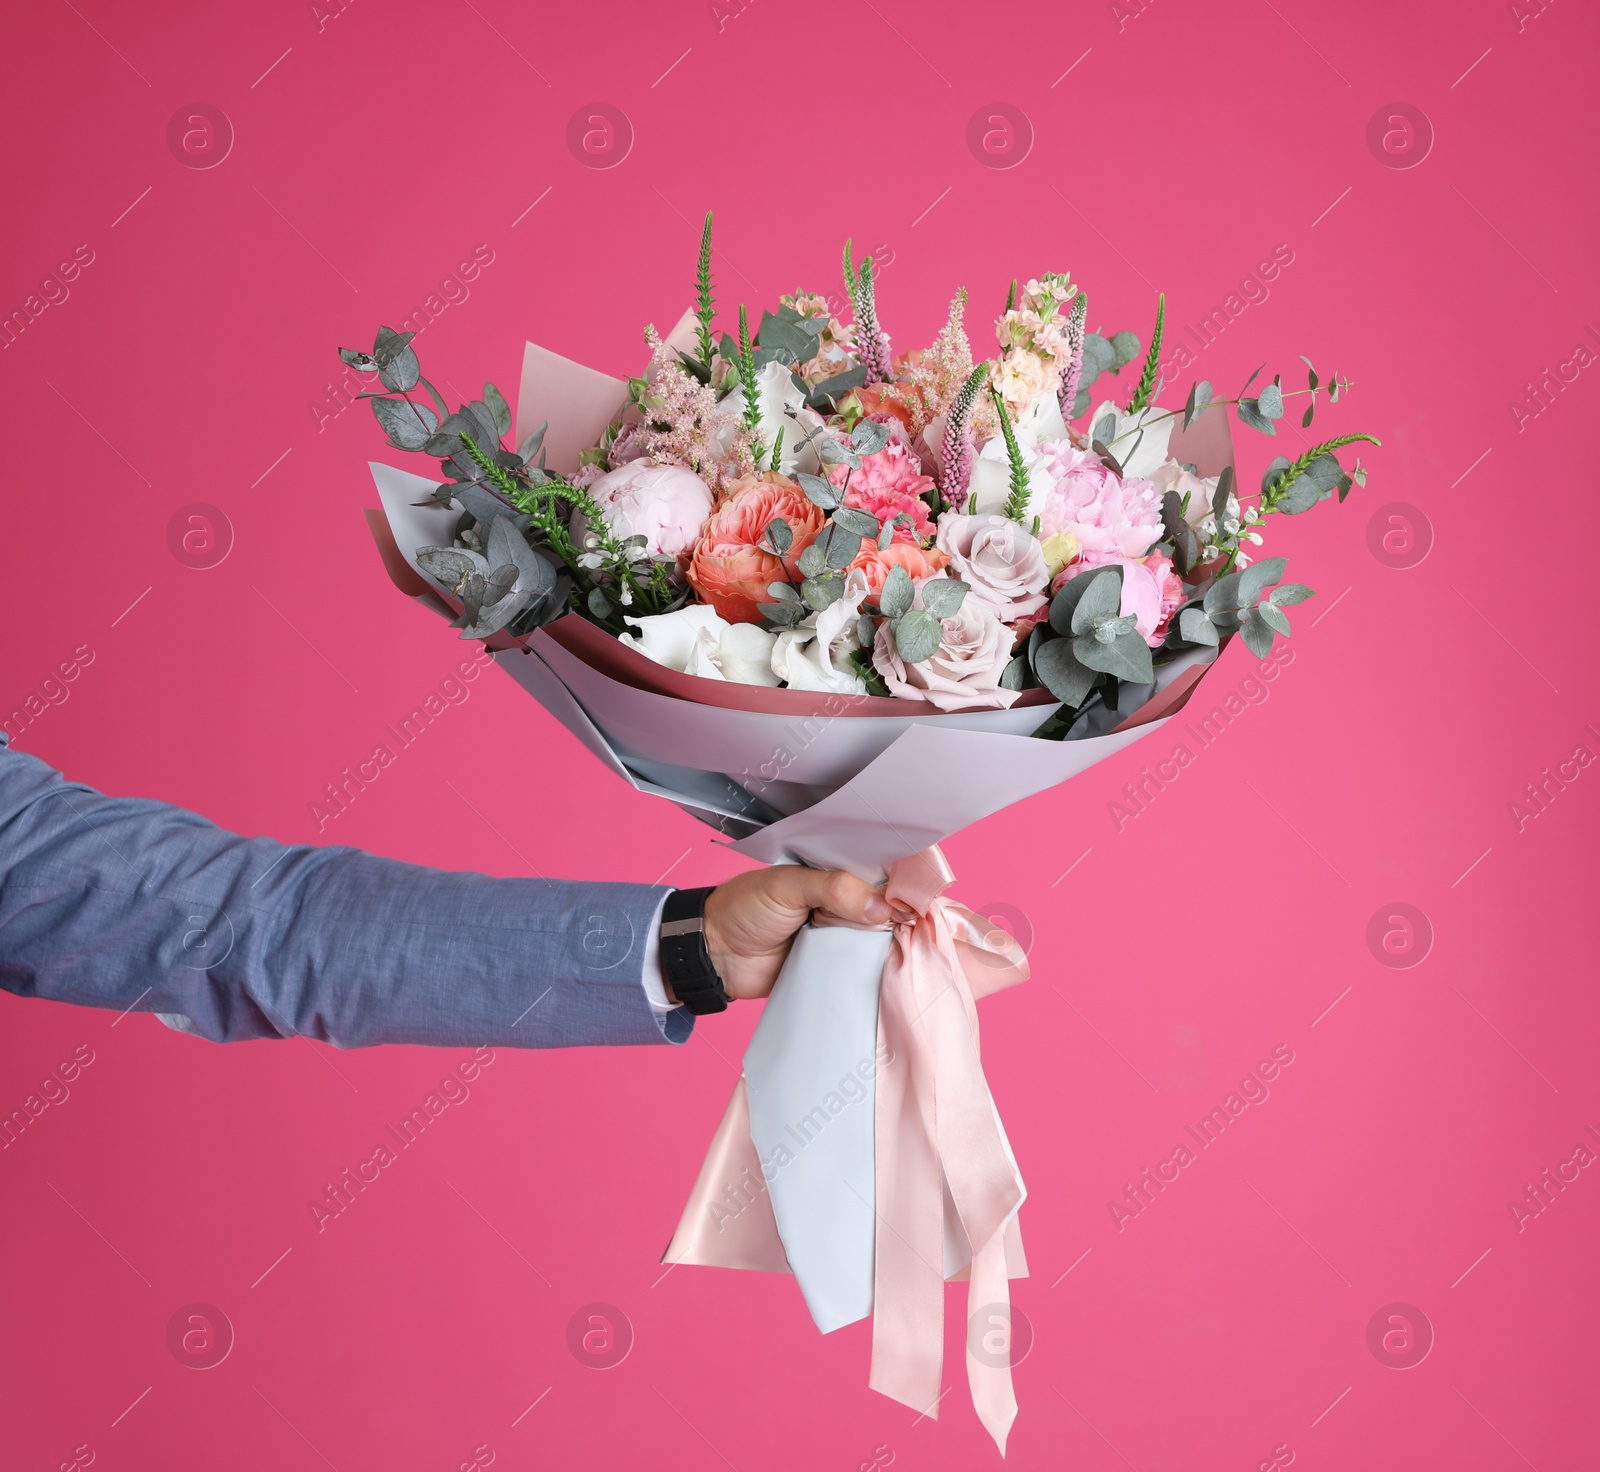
(751, 919)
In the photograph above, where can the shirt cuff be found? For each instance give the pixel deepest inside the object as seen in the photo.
(655, 987)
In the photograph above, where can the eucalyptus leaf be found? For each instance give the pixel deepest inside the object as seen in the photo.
(1101, 597)
(407, 425)
(1194, 626)
(842, 546)
(1274, 617)
(1064, 605)
(811, 561)
(897, 592)
(1286, 593)
(1222, 595)
(1258, 577)
(1105, 427)
(1274, 471)
(1061, 673)
(820, 593)
(1195, 405)
(869, 437)
(1015, 675)
(402, 372)
(1127, 657)
(452, 566)
(389, 345)
(1222, 495)
(1256, 633)
(819, 492)
(787, 614)
(599, 604)
(1270, 402)
(916, 636)
(862, 523)
(498, 408)
(942, 597)
(783, 593)
(779, 535)
(822, 396)
(1126, 346)
(1251, 415)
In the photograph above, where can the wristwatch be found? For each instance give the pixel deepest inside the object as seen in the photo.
(684, 956)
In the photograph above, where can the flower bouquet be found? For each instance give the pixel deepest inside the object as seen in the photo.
(792, 580)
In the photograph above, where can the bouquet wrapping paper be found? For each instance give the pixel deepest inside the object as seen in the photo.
(861, 1149)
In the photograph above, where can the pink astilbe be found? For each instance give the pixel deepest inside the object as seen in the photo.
(682, 424)
(931, 378)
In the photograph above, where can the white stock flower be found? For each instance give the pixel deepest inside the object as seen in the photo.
(696, 640)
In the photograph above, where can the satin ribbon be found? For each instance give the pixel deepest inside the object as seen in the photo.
(936, 1128)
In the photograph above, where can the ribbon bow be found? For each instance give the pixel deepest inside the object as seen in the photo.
(938, 1133)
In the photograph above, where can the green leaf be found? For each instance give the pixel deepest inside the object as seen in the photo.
(1305, 419)
(401, 372)
(1127, 657)
(1258, 577)
(780, 535)
(820, 492)
(869, 437)
(1194, 626)
(1256, 633)
(407, 425)
(1275, 468)
(1274, 617)
(886, 535)
(942, 597)
(1195, 405)
(786, 336)
(1221, 496)
(1061, 673)
(897, 592)
(811, 561)
(842, 546)
(820, 592)
(599, 604)
(1223, 594)
(1251, 379)
(1270, 402)
(1013, 676)
(833, 453)
(916, 635)
(823, 396)
(787, 614)
(862, 523)
(1102, 597)
(499, 408)
(1126, 347)
(1249, 414)
(1064, 605)
(1104, 428)
(783, 592)
(1286, 593)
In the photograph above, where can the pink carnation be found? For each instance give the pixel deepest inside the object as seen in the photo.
(888, 484)
(1110, 518)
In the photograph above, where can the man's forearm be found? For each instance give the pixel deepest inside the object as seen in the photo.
(124, 903)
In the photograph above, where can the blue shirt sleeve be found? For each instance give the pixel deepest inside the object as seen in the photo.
(140, 906)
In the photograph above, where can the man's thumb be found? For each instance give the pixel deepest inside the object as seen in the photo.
(842, 894)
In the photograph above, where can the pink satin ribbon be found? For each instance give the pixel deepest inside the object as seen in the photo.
(936, 1127)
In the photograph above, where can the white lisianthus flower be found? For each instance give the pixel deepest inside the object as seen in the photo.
(814, 656)
(989, 487)
(696, 640)
(1138, 441)
(778, 398)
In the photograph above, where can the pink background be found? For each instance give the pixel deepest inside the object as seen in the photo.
(1224, 1326)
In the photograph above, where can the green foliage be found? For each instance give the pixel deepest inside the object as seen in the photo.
(1149, 384)
(1017, 500)
(704, 306)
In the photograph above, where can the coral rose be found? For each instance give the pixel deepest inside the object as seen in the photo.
(873, 565)
(732, 564)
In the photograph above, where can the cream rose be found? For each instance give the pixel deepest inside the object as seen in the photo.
(778, 399)
(999, 561)
(964, 672)
(696, 640)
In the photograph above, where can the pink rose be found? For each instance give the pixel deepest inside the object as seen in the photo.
(889, 483)
(1001, 563)
(665, 504)
(1151, 591)
(1102, 512)
(964, 672)
(873, 566)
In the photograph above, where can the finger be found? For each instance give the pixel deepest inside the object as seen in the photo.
(840, 893)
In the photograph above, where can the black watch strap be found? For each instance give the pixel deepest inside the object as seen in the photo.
(685, 958)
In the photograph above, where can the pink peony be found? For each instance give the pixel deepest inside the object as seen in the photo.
(1151, 590)
(889, 483)
(1107, 516)
(665, 504)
